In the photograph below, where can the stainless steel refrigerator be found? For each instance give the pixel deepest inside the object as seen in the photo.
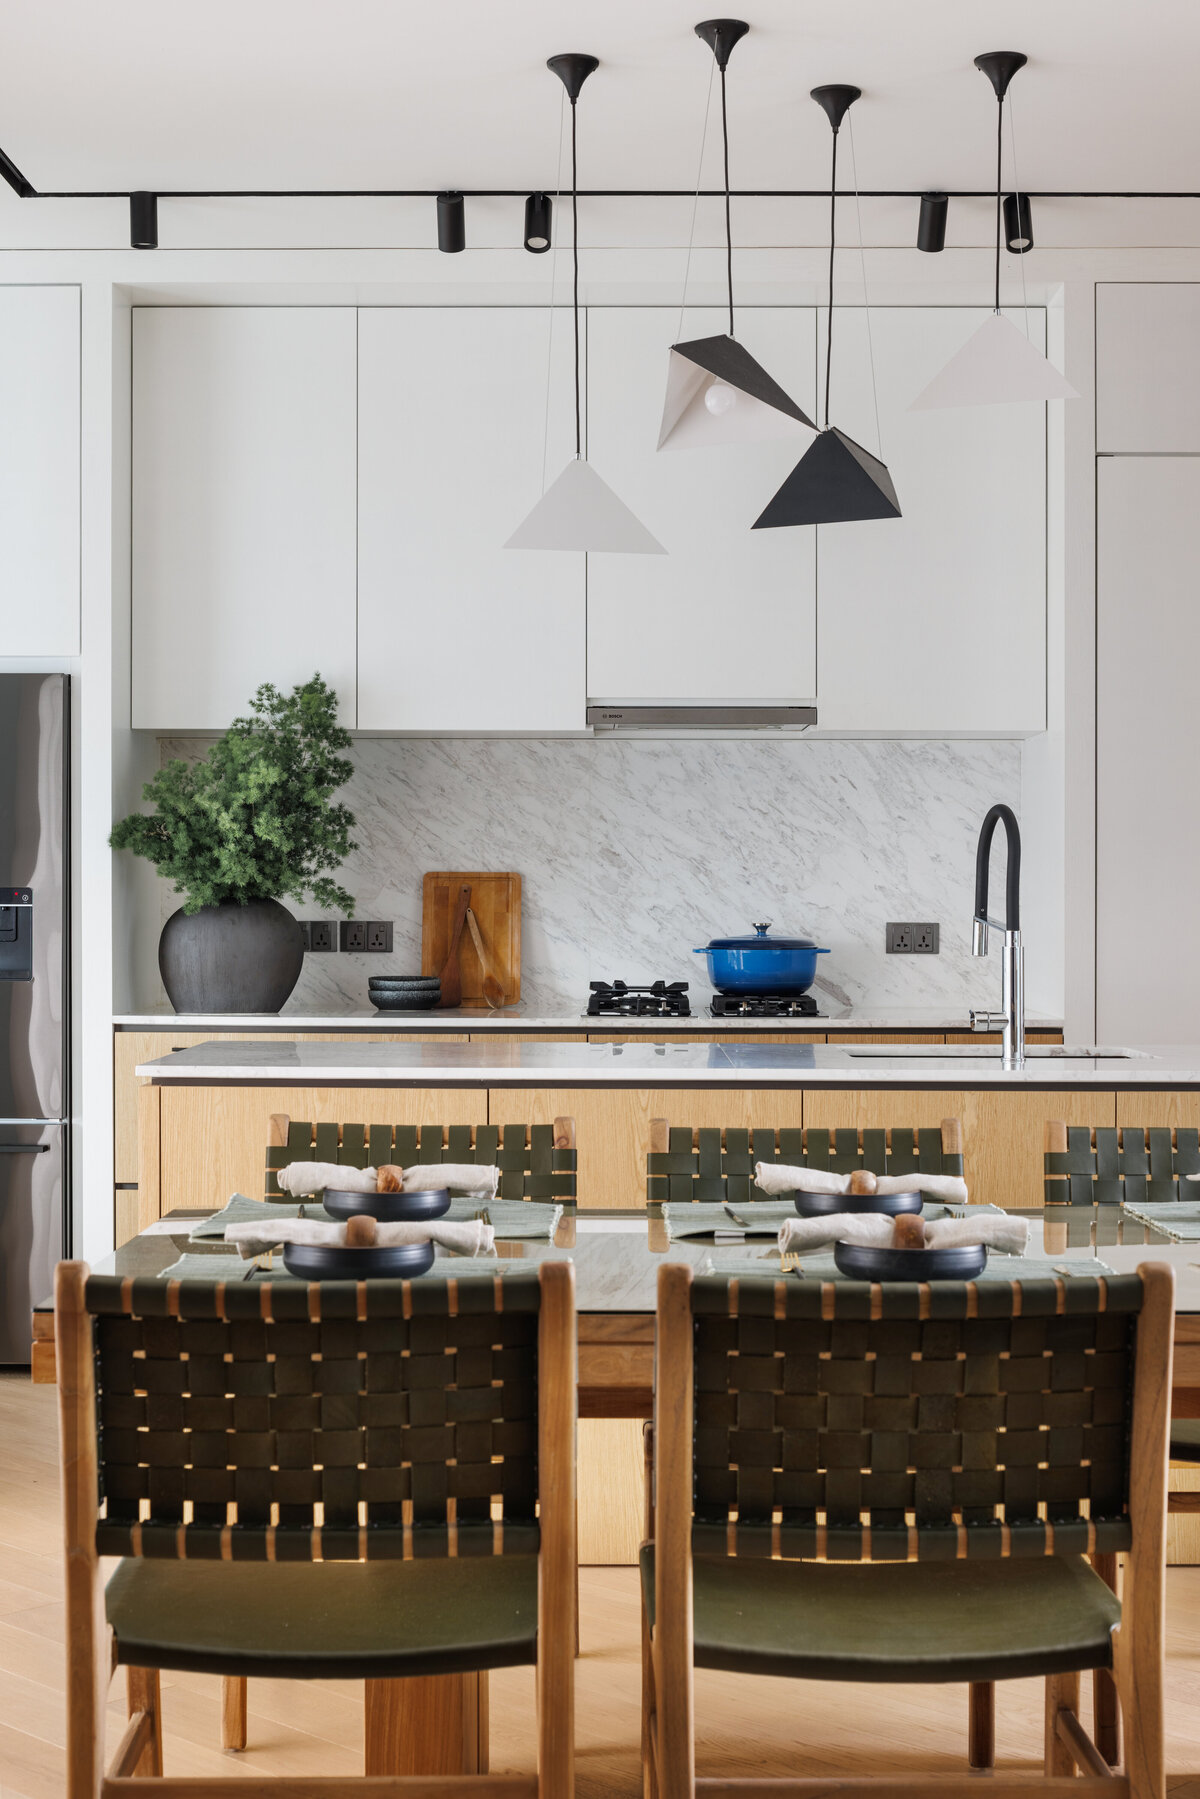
(34, 996)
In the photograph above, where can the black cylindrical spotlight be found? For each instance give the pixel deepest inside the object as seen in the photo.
(931, 226)
(452, 223)
(1018, 223)
(143, 221)
(539, 211)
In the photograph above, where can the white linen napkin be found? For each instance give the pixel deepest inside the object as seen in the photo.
(300, 1178)
(777, 1177)
(873, 1230)
(478, 1180)
(471, 1238)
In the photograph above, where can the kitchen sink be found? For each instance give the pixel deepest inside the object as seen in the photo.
(989, 1052)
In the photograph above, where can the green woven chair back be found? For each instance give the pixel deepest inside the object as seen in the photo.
(284, 1421)
(905, 1422)
(717, 1165)
(1105, 1165)
(530, 1163)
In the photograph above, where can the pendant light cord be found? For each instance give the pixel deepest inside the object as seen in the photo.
(555, 234)
(687, 267)
(862, 263)
(1012, 150)
(999, 178)
(832, 242)
(728, 225)
(575, 277)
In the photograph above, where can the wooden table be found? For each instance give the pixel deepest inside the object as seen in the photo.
(439, 1725)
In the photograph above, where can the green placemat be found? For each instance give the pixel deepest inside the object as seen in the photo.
(1177, 1218)
(999, 1267)
(511, 1218)
(232, 1268)
(763, 1217)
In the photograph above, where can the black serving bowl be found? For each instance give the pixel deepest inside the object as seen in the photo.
(405, 999)
(422, 1204)
(336, 1262)
(404, 980)
(822, 1205)
(962, 1263)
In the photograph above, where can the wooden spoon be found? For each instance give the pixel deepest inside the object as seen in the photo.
(451, 976)
(493, 992)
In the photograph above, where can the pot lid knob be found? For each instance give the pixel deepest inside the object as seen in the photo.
(762, 929)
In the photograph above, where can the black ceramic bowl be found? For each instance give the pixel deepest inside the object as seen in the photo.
(404, 980)
(821, 1205)
(957, 1264)
(405, 999)
(334, 1262)
(390, 1208)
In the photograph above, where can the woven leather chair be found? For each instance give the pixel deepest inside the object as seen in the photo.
(537, 1161)
(367, 1480)
(712, 1165)
(991, 1435)
(1090, 1165)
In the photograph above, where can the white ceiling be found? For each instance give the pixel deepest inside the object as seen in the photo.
(378, 93)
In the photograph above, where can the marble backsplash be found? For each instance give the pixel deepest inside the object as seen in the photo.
(633, 852)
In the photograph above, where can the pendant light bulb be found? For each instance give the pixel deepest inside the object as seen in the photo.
(720, 398)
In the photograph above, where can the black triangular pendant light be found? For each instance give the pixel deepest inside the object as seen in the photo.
(836, 481)
(716, 392)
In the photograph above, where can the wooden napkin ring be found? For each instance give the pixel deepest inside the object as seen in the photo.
(389, 1179)
(863, 1181)
(360, 1231)
(908, 1231)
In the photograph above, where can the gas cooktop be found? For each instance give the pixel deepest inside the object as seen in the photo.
(764, 1005)
(614, 999)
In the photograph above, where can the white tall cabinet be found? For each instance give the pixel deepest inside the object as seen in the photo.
(455, 632)
(244, 500)
(934, 622)
(39, 471)
(729, 613)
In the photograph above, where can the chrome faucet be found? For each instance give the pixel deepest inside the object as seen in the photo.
(1012, 1020)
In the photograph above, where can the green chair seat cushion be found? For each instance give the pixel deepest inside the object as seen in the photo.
(898, 1621)
(1185, 1439)
(326, 1620)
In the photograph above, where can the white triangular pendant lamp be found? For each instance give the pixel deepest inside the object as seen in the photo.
(579, 511)
(998, 365)
(717, 393)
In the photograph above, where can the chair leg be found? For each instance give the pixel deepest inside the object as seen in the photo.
(1106, 1710)
(233, 1713)
(649, 1771)
(1062, 1694)
(981, 1729)
(142, 1686)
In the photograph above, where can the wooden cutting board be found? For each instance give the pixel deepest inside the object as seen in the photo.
(496, 903)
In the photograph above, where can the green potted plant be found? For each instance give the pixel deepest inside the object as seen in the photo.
(250, 824)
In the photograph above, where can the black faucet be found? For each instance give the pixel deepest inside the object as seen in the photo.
(1012, 1020)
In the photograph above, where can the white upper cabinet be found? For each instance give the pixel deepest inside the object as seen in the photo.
(39, 471)
(243, 508)
(729, 613)
(456, 633)
(1146, 337)
(934, 622)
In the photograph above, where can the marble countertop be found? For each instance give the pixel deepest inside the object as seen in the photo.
(513, 1018)
(523, 1063)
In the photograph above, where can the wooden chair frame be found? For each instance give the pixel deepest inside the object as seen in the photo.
(1074, 1766)
(92, 1648)
(659, 1139)
(279, 1127)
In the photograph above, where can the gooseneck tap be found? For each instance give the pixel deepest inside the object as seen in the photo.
(1012, 1020)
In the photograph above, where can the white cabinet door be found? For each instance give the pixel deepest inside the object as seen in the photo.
(1146, 336)
(39, 471)
(456, 633)
(934, 622)
(243, 508)
(1147, 749)
(729, 612)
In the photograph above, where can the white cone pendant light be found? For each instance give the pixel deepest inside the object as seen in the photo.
(998, 366)
(716, 392)
(579, 511)
(836, 481)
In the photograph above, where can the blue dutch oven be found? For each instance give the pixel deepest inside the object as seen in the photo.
(762, 964)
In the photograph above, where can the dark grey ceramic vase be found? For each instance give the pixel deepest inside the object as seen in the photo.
(231, 958)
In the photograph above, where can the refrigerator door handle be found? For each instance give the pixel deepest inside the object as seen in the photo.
(23, 1149)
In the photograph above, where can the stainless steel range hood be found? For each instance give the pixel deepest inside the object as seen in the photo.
(701, 718)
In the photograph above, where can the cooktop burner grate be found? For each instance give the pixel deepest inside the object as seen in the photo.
(764, 1005)
(614, 999)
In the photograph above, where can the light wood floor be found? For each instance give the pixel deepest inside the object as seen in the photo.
(778, 1727)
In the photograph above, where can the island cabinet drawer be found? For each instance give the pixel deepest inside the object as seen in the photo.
(1003, 1130)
